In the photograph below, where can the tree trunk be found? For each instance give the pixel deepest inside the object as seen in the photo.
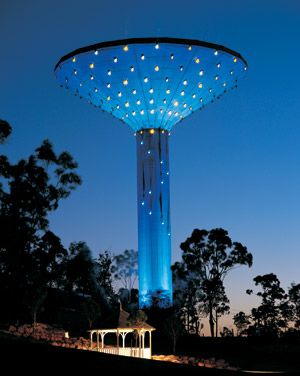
(174, 342)
(211, 321)
(34, 320)
(217, 322)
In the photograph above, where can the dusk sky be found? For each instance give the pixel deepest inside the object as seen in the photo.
(233, 165)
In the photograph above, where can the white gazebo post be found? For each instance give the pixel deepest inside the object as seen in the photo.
(143, 343)
(102, 338)
(91, 339)
(98, 347)
(123, 334)
(139, 343)
(118, 341)
(150, 343)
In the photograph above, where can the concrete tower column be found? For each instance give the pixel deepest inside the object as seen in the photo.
(154, 232)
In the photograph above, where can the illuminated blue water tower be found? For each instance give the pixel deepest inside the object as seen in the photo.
(151, 84)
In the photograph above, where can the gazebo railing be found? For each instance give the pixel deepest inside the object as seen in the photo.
(127, 351)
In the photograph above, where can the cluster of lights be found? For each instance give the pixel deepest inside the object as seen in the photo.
(156, 67)
(152, 131)
(187, 83)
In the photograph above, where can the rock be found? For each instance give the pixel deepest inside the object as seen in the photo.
(230, 368)
(12, 329)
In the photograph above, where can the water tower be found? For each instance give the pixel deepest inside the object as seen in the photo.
(151, 84)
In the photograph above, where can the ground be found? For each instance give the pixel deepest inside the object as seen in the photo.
(18, 354)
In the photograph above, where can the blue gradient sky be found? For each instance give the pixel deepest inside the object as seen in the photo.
(234, 165)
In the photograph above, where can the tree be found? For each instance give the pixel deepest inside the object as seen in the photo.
(5, 131)
(185, 298)
(125, 269)
(34, 296)
(273, 314)
(173, 328)
(80, 269)
(208, 256)
(221, 305)
(241, 321)
(45, 270)
(54, 256)
(29, 191)
(91, 310)
(226, 332)
(104, 278)
(294, 299)
(137, 318)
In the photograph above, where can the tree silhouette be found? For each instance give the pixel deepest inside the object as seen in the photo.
(208, 256)
(241, 321)
(45, 270)
(226, 332)
(294, 299)
(173, 328)
(221, 305)
(104, 279)
(5, 131)
(54, 256)
(91, 311)
(80, 269)
(273, 313)
(29, 191)
(186, 298)
(125, 269)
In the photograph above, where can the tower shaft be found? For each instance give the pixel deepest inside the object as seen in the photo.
(154, 233)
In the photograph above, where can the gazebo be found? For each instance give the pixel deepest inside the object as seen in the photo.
(142, 347)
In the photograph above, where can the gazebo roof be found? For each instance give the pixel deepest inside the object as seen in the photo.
(143, 326)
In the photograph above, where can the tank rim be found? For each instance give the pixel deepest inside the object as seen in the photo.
(121, 42)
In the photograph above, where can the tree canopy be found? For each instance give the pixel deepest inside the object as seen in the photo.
(208, 256)
(5, 131)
